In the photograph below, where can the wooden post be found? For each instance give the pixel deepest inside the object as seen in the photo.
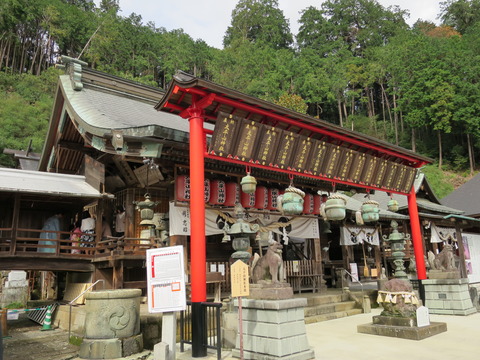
(461, 251)
(118, 274)
(129, 214)
(15, 217)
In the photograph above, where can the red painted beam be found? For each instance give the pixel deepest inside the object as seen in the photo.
(416, 235)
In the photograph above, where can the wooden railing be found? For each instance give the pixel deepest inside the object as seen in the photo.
(26, 242)
(303, 275)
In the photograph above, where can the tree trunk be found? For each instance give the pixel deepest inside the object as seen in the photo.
(470, 154)
(385, 97)
(395, 120)
(339, 104)
(440, 159)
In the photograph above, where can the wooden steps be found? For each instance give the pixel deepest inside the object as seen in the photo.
(323, 307)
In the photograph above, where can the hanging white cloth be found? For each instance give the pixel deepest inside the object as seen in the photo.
(301, 227)
(353, 235)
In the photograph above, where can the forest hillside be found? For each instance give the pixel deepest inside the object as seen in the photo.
(353, 63)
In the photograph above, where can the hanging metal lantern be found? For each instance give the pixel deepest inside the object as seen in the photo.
(392, 205)
(292, 201)
(249, 184)
(370, 211)
(335, 207)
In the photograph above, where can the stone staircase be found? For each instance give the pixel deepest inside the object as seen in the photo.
(329, 306)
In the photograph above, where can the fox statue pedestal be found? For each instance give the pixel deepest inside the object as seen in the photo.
(274, 329)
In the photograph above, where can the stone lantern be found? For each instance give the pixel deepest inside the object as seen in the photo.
(396, 240)
(242, 233)
(147, 213)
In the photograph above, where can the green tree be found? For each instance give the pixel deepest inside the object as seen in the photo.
(258, 21)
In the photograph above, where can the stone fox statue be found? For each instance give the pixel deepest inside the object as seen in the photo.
(269, 266)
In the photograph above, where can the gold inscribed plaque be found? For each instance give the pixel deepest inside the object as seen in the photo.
(380, 172)
(409, 179)
(318, 156)
(302, 153)
(222, 143)
(357, 167)
(369, 169)
(247, 137)
(286, 149)
(390, 174)
(345, 164)
(330, 165)
(269, 139)
(400, 177)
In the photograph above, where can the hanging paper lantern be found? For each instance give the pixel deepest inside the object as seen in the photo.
(317, 201)
(217, 192)
(232, 194)
(272, 199)
(182, 188)
(308, 204)
(261, 198)
(247, 200)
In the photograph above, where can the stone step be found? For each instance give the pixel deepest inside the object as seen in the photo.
(332, 316)
(329, 308)
(326, 299)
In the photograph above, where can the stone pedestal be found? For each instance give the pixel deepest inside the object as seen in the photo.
(274, 329)
(405, 328)
(112, 324)
(448, 297)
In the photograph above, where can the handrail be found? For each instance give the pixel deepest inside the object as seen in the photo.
(71, 302)
(354, 279)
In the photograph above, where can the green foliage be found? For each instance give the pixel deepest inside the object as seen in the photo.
(75, 340)
(292, 102)
(355, 63)
(27, 102)
(259, 22)
(440, 182)
(15, 305)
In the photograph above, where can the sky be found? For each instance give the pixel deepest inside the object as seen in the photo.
(208, 19)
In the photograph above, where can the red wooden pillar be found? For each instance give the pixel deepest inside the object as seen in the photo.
(198, 271)
(416, 235)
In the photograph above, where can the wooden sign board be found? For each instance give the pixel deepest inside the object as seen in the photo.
(267, 145)
(247, 136)
(409, 179)
(252, 142)
(286, 149)
(239, 279)
(302, 153)
(222, 143)
(318, 156)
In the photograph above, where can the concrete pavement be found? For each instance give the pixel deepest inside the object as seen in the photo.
(339, 340)
(332, 340)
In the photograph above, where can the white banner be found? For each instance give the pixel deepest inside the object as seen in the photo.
(441, 234)
(471, 244)
(301, 227)
(353, 235)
